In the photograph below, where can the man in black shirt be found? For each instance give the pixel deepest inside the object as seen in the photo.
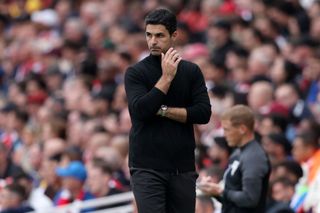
(166, 96)
(246, 179)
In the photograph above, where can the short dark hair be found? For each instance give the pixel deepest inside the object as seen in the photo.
(292, 167)
(18, 190)
(308, 138)
(164, 17)
(102, 165)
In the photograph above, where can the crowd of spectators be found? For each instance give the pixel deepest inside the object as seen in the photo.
(64, 121)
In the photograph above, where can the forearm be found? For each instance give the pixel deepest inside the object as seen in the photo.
(164, 84)
(177, 114)
(143, 103)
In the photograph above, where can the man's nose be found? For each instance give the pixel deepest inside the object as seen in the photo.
(154, 40)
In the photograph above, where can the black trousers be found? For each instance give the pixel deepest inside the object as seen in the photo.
(163, 192)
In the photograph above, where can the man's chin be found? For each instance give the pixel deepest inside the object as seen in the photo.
(155, 52)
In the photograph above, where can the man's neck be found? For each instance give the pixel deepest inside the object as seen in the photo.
(246, 139)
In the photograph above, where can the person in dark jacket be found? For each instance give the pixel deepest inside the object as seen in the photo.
(166, 96)
(246, 179)
(13, 199)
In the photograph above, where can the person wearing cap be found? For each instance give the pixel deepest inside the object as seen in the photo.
(73, 177)
(166, 97)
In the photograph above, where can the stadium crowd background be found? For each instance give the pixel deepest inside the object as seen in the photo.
(64, 121)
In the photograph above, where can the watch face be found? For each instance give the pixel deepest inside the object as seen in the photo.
(164, 107)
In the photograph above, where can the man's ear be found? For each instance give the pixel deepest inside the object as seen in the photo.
(243, 129)
(174, 35)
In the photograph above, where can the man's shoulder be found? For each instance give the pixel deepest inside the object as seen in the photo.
(253, 151)
(138, 65)
(191, 68)
(188, 64)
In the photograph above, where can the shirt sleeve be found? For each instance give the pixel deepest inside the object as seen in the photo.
(200, 110)
(143, 103)
(254, 168)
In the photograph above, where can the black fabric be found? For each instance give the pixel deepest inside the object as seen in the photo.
(164, 192)
(157, 142)
(21, 209)
(246, 180)
(10, 170)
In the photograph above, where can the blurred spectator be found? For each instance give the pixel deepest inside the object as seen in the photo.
(50, 183)
(271, 123)
(259, 63)
(277, 146)
(29, 157)
(121, 143)
(282, 191)
(219, 39)
(100, 181)
(7, 167)
(251, 38)
(219, 152)
(33, 196)
(303, 48)
(12, 199)
(215, 172)
(236, 58)
(289, 169)
(284, 71)
(16, 119)
(260, 97)
(73, 179)
(53, 129)
(53, 147)
(100, 178)
(97, 141)
(113, 158)
(288, 96)
(69, 154)
(306, 152)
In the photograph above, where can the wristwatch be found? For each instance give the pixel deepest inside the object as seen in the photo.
(163, 110)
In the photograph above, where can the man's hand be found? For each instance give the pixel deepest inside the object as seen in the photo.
(169, 63)
(207, 186)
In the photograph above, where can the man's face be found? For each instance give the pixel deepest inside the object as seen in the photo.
(158, 38)
(232, 133)
(299, 151)
(71, 183)
(97, 181)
